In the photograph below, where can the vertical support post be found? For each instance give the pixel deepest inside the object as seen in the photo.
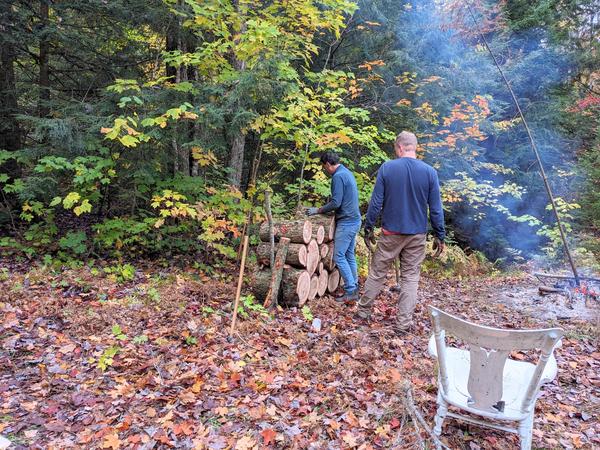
(270, 221)
(239, 286)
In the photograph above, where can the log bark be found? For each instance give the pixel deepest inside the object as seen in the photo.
(324, 250)
(261, 283)
(328, 260)
(295, 287)
(298, 231)
(314, 287)
(277, 273)
(313, 258)
(334, 280)
(297, 254)
(323, 283)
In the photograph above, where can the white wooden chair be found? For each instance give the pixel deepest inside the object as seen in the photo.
(483, 380)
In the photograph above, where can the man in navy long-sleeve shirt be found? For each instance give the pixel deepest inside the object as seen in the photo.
(406, 190)
(344, 201)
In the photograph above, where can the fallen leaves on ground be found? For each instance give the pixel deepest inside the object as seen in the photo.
(176, 380)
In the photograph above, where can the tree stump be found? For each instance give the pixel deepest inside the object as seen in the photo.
(298, 231)
(323, 283)
(296, 256)
(334, 281)
(295, 287)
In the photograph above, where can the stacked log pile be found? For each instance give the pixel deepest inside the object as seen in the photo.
(308, 271)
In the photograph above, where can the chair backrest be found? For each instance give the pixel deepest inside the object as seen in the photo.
(489, 348)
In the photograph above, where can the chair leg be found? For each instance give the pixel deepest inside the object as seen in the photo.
(441, 413)
(526, 432)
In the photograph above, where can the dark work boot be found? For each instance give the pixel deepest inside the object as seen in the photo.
(347, 297)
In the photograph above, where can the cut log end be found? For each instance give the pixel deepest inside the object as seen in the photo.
(323, 283)
(319, 234)
(295, 286)
(314, 287)
(333, 281)
(313, 257)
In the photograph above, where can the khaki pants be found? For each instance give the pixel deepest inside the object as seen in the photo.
(411, 249)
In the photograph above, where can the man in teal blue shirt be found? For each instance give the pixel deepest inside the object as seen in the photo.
(344, 201)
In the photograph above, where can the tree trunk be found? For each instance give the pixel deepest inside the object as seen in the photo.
(295, 287)
(276, 273)
(314, 287)
(44, 76)
(296, 256)
(238, 138)
(323, 283)
(299, 231)
(236, 159)
(334, 281)
(10, 132)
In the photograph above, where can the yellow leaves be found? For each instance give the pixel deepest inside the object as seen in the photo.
(111, 441)
(204, 157)
(370, 64)
(172, 204)
(426, 112)
(354, 89)
(331, 140)
(246, 443)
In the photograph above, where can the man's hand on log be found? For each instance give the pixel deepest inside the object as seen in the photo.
(312, 211)
(438, 247)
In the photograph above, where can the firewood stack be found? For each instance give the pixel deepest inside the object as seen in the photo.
(309, 271)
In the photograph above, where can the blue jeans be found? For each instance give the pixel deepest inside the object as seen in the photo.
(343, 254)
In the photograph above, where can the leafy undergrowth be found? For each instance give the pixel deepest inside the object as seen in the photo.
(93, 361)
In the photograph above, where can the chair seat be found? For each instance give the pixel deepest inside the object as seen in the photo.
(515, 379)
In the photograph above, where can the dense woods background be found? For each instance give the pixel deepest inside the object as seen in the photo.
(153, 127)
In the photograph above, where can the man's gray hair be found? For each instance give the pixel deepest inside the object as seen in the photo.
(406, 139)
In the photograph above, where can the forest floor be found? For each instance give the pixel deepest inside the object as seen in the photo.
(172, 379)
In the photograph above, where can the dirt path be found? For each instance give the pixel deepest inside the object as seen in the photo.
(173, 380)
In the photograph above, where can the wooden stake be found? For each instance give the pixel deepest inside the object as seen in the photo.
(239, 286)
